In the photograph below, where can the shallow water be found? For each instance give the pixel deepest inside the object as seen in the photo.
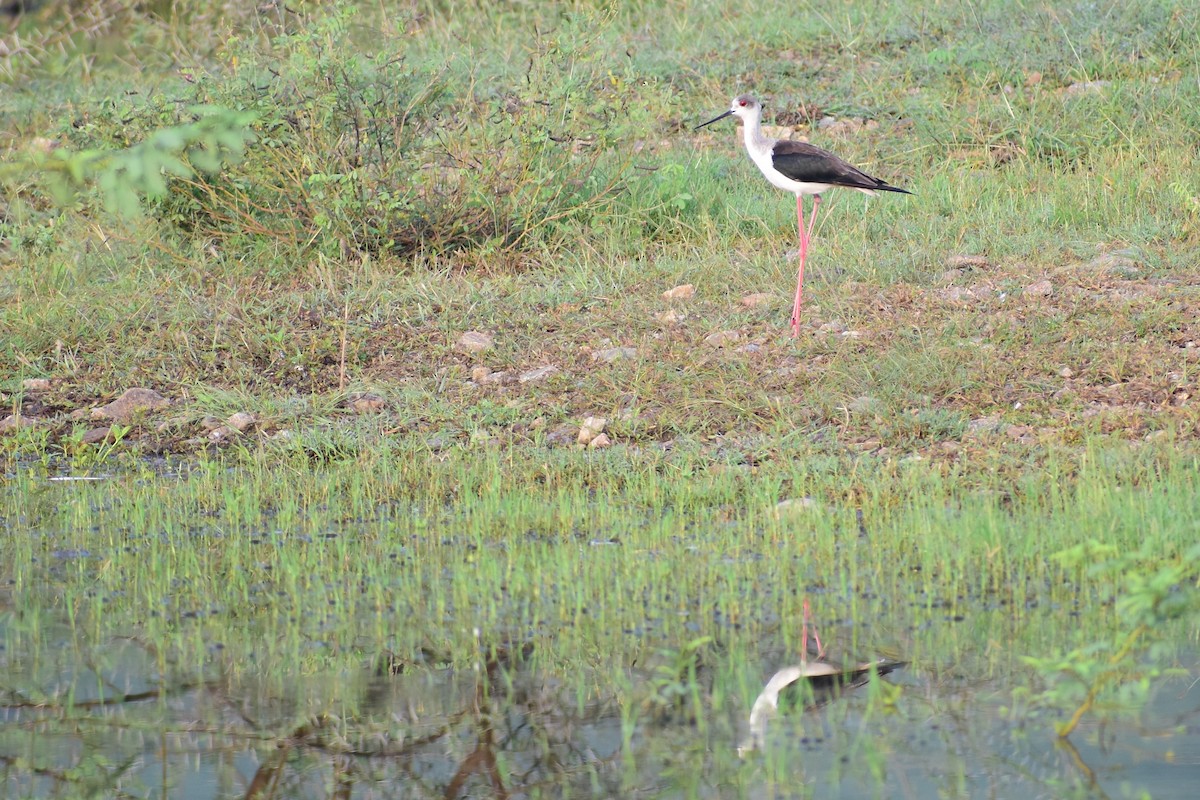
(516, 731)
(185, 637)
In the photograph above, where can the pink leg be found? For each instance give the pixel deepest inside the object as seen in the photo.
(800, 276)
(805, 237)
(804, 637)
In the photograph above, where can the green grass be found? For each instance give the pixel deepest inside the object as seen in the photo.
(529, 170)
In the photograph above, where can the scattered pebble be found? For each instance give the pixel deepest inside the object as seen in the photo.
(13, 422)
(833, 326)
(41, 144)
(98, 436)
(965, 262)
(599, 442)
(722, 338)
(36, 384)
(1022, 433)
(846, 126)
(752, 347)
(1084, 87)
(955, 294)
(221, 434)
(590, 429)
(669, 317)
(130, 403)
(485, 377)
(476, 341)
(537, 374)
(984, 425)
(562, 435)
(681, 292)
(796, 504)
(612, 354)
(1042, 288)
(241, 421)
(863, 404)
(365, 403)
(757, 299)
(1066, 372)
(210, 423)
(1121, 265)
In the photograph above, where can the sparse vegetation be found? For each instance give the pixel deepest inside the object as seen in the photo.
(285, 218)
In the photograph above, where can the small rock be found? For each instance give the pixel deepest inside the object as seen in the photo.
(485, 377)
(98, 436)
(1066, 372)
(221, 434)
(757, 299)
(1041, 288)
(833, 326)
(1084, 87)
(130, 403)
(36, 384)
(669, 317)
(475, 341)
(1019, 432)
(241, 421)
(365, 403)
(846, 126)
(600, 441)
(41, 144)
(864, 404)
(563, 434)
(1119, 264)
(681, 292)
(965, 262)
(984, 425)
(590, 429)
(612, 354)
(794, 505)
(1033, 79)
(955, 294)
(722, 338)
(210, 423)
(537, 374)
(751, 348)
(13, 422)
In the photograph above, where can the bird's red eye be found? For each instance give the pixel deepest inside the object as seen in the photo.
(742, 103)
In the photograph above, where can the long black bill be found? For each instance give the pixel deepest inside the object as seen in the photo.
(714, 119)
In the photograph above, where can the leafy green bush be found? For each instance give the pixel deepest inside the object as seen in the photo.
(369, 153)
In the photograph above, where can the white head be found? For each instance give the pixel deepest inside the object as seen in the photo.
(744, 106)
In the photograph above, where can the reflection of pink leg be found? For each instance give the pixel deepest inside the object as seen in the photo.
(803, 256)
(804, 637)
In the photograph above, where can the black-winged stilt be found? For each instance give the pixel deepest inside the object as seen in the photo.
(799, 168)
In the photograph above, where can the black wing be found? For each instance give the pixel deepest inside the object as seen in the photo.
(808, 163)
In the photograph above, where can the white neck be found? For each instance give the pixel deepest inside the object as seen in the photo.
(756, 142)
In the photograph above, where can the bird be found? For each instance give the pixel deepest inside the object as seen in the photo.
(809, 685)
(799, 168)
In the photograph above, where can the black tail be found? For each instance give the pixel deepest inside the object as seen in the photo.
(887, 187)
